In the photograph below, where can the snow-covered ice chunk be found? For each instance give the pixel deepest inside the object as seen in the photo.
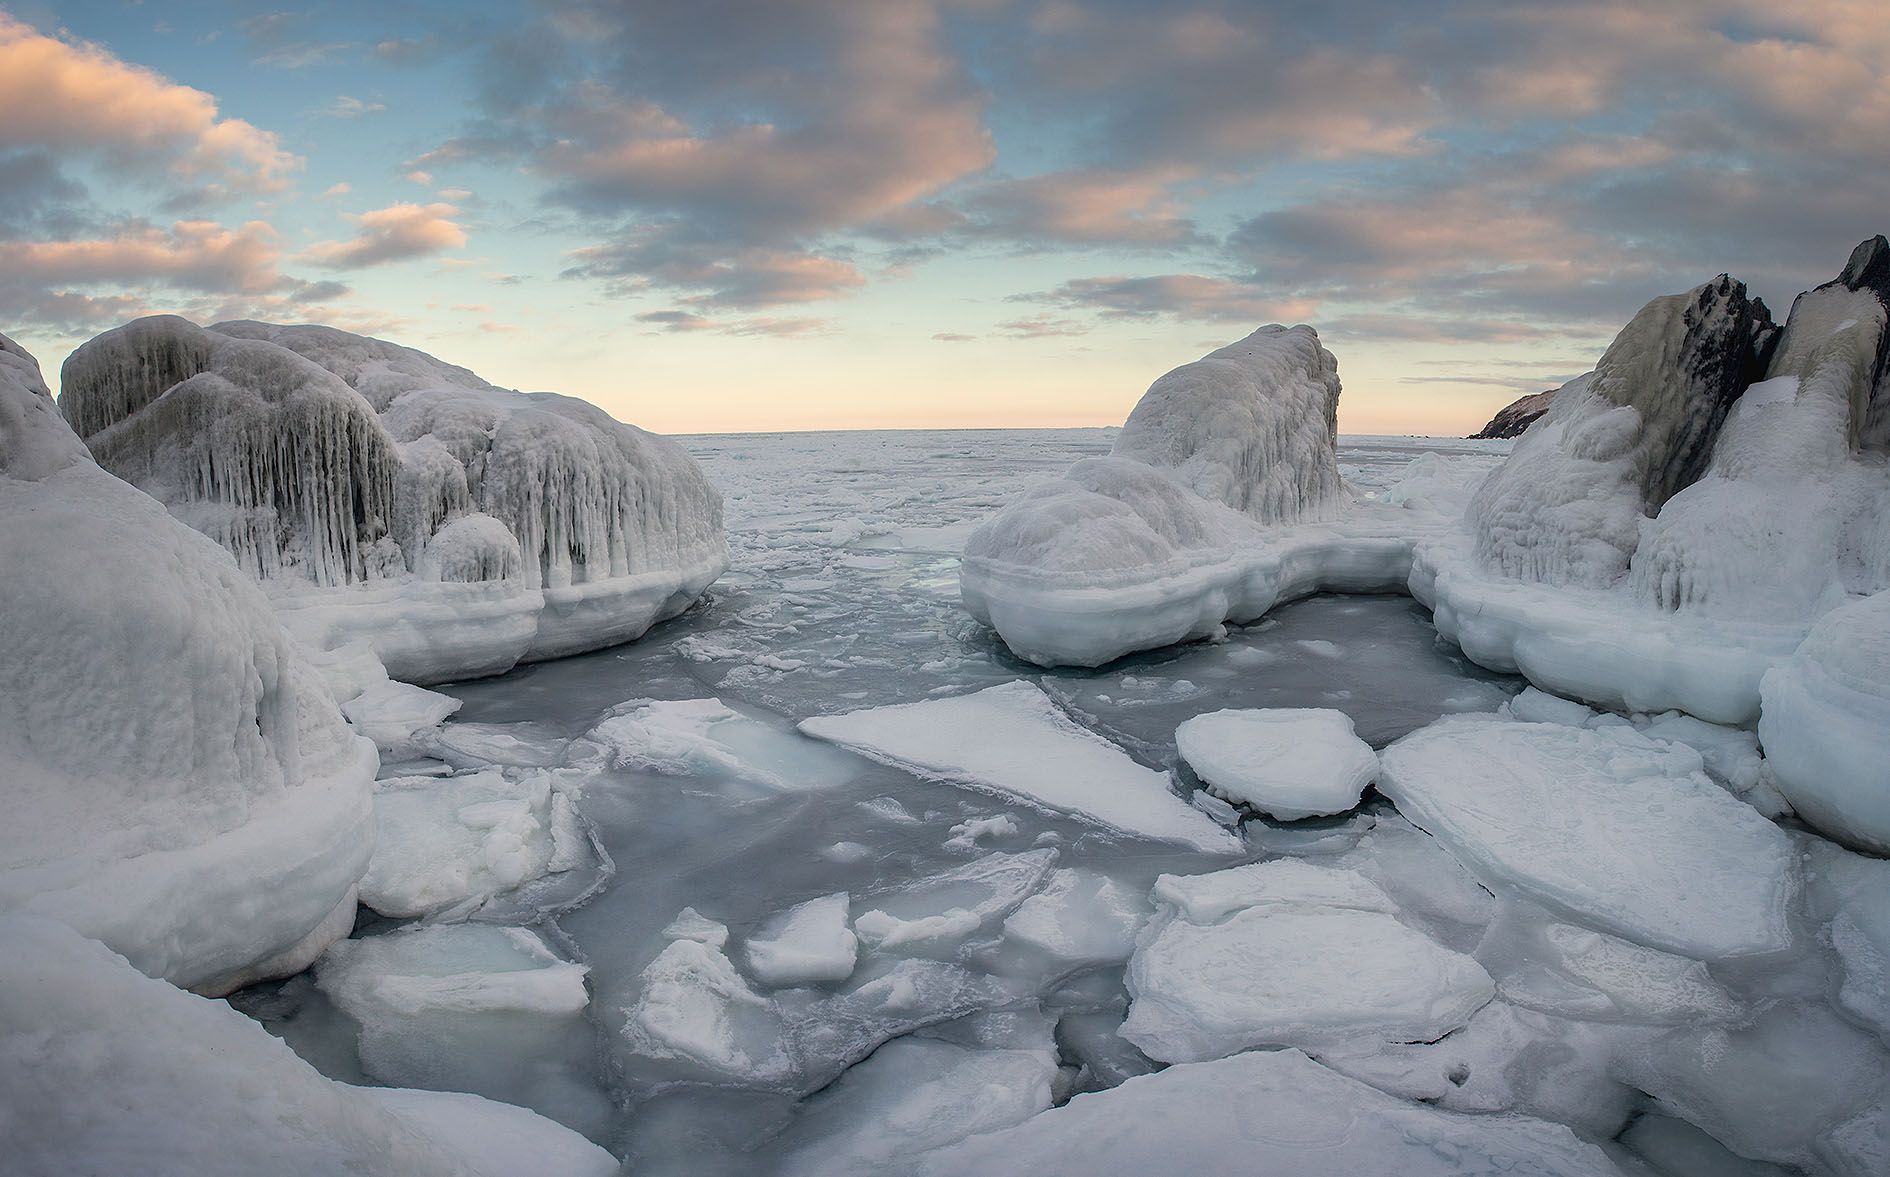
(1266, 1112)
(392, 713)
(913, 1095)
(1543, 964)
(469, 1007)
(1282, 882)
(935, 915)
(1295, 971)
(1678, 1149)
(515, 745)
(1826, 724)
(696, 1018)
(691, 924)
(1012, 740)
(1605, 827)
(1538, 706)
(1080, 919)
(103, 1070)
(179, 782)
(809, 942)
(1286, 762)
(446, 840)
(965, 835)
(1853, 893)
(705, 738)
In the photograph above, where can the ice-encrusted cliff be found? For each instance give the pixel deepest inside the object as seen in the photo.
(382, 494)
(1516, 416)
(179, 782)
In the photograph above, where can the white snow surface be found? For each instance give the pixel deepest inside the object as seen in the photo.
(179, 781)
(809, 942)
(103, 1070)
(386, 496)
(1607, 827)
(1012, 740)
(1267, 1112)
(1287, 762)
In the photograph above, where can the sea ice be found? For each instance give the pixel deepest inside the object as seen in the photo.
(1606, 827)
(1293, 970)
(1853, 893)
(1266, 1112)
(934, 916)
(394, 714)
(705, 738)
(1080, 919)
(1286, 762)
(103, 1070)
(442, 841)
(179, 782)
(1013, 741)
(809, 942)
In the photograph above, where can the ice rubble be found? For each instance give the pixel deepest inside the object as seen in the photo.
(1012, 740)
(180, 784)
(1607, 827)
(1286, 762)
(383, 495)
(1264, 1112)
(103, 1070)
(1315, 956)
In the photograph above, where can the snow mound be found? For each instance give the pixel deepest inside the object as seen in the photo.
(180, 783)
(1253, 425)
(1605, 827)
(1267, 1112)
(1293, 969)
(1013, 741)
(1288, 762)
(1826, 724)
(383, 495)
(103, 1070)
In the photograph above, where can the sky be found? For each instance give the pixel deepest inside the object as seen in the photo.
(733, 215)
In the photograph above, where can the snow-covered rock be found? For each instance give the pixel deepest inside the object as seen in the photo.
(1317, 959)
(1606, 827)
(1013, 741)
(1286, 762)
(1516, 416)
(1826, 724)
(179, 781)
(382, 495)
(809, 942)
(106, 1071)
(1267, 1112)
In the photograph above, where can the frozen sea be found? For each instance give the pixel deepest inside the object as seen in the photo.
(842, 594)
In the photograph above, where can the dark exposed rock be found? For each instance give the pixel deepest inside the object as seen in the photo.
(1518, 415)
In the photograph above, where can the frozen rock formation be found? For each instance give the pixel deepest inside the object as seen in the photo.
(106, 1071)
(1606, 827)
(381, 494)
(179, 782)
(1286, 762)
(1267, 1112)
(1516, 416)
(1212, 508)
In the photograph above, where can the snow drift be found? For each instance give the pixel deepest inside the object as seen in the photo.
(381, 494)
(180, 784)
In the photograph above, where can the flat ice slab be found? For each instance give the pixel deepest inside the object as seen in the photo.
(806, 943)
(1605, 827)
(1316, 960)
(1267, 1112)
(1013, 741)
(1286, 762)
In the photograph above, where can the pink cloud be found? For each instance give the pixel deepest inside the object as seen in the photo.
(395, 233)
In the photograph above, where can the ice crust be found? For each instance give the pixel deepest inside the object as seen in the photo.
(180, 783)
(383, 495)
(1288, 763)
(1012, 740)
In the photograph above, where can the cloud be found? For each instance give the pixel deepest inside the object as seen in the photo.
(755, 276)
(345, 107)
(1040, 327)
(392, 234)
(334, 191)
(197, 255)
(954, 337)
(1087, 206)
(75, 97)
(1179, 296)
(689, 322)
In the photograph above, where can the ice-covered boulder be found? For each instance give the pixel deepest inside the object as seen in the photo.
(1267, 1112)
(106, 1071)
(1826, 724)
(1605, 827)
(1620, 441)
(382, 494)
(179, 781)
(1286, 762)
(1215, 504)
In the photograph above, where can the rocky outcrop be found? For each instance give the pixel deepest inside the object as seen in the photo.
(1516, 416)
